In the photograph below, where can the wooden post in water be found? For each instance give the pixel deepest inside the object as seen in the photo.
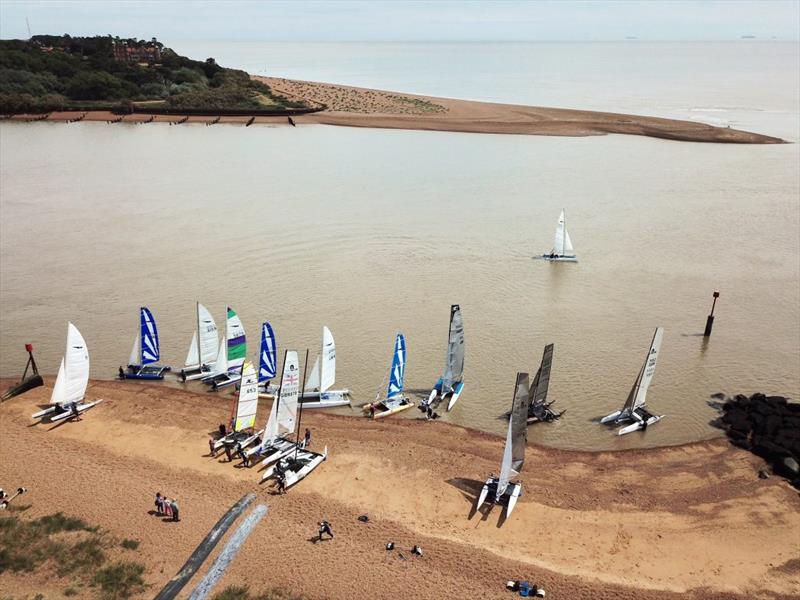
(710, 319)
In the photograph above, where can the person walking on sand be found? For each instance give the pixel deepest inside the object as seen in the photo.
(324, 527)
(307, 438)
(174, 506)
(281, 479)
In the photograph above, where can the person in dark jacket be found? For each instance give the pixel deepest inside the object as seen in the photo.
(325, 527)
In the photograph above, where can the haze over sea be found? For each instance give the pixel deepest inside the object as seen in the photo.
(375, 231)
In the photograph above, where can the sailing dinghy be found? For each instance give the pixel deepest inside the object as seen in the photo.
(243, 416)
(562, 246)
(451, 383)
(204, 347)
(538, 406)
(395, 400)
(634, 409)
(68, 397)
(231, 354)
(146, 351)
(501, 490)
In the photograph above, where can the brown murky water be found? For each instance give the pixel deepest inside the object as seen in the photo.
(374, 232)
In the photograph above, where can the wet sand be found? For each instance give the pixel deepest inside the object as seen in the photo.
(361, 107)
(692, 519)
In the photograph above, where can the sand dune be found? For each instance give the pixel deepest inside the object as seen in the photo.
(641, 524)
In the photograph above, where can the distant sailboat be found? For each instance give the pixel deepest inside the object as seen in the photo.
(562, 246)
(501, 490)
(243, 415)
(67, 399)
(634, 409)
(451, 383)
(204, 347)
(231, 355)
(146, 351)
(395, 400)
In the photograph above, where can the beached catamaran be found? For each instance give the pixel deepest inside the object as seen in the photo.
(243, 415)
(634, 409)
(317, 392)
(395, 400)
(231, 355)
(451, 383)
(267, 359)
(538, 406)
(146, 351)
(562, 246)
(67, 399)
(501, 490)
(203, 350)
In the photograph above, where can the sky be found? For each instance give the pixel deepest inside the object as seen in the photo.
(408, 20)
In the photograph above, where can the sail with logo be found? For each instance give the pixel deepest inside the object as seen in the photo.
(146, 351)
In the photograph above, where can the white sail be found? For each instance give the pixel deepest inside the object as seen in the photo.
(289, 392)
(208, 341)
(506, 472)
(76, 366)
(312, 383)
(247, 405)
(221, 362)
(271, 430)
(328, 365)
(60, 388)
(638, 393)
(135, 351)
(568, 249)
(558, 243)
(192, 358)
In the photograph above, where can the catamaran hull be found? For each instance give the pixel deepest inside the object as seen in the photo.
(613, 417)
(193, 372)
(509, 497)
(231, 440)
(64, 414)
(228, 380)
(436, 397)
(277, 452)
(549, 258)
(293, 477)
(639, 425)
(148, 373)
(386, 412)
(326, 400)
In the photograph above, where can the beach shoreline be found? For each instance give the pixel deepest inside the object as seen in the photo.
(349, 106)
(691, 519)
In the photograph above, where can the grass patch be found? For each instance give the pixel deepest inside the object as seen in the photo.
(60, 522)
(242, 592)
(120, 580)
(70, 591)
(130, 544)
(82, 556)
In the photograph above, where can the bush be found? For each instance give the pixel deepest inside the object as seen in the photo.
(130, 544)
(120, 580)
(242, 592)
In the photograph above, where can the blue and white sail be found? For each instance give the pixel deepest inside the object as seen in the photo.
(398, 368)
(145, 349)
(268, 362)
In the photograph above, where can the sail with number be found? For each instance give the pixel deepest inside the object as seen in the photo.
(268, 361)
(73, 374)
(247, 404)
(639, 390)
(398, 368)
(235, 340)
(289, 392)
(454, 361)
(205, 340)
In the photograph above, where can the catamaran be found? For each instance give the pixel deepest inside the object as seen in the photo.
(267, 361)
(145, 352)
(451, 383)
(231, 354)
(634, 409)
(317, 392)
(501, 490)
(67, 399)
(395, 400)
(243, 415)
(538, 406)
(204, 347)
(562, 246)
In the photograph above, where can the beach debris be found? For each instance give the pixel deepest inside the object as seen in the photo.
(250, 122)
(763, 474)
(291, 122)
(525, 589)
(26, 383)
(363, 518)
(768, 426)
(416, 550)
(389, 545)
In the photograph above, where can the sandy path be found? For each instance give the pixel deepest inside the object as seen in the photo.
(641, 524)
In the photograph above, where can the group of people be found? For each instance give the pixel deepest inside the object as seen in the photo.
(167, 507)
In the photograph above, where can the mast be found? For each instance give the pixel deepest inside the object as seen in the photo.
(199, 354)
(564, 234)
(300, 413)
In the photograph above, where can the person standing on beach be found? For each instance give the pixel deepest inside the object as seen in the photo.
(307, 438)
(167, 506)
(324, 527)
(281, 479)
(174, 507)
(159, 504)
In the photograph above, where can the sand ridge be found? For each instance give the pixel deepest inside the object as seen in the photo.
(637, 524)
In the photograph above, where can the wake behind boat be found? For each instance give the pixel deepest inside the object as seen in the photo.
(203, 348)
(146, 351)
(395, 400)
(562, 246)
(451, 383)
(68, 397)
(634, 409)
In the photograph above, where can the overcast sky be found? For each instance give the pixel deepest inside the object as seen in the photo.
(411, 20)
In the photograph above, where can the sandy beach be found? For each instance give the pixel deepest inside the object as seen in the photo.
(690, 521)
(361, 107)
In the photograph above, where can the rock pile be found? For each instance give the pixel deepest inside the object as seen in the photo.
(768, 426)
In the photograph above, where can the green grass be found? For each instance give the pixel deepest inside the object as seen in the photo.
(120, 580)
(242, 592)
(130, 544)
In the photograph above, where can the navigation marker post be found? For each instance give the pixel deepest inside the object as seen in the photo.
(710, 319)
